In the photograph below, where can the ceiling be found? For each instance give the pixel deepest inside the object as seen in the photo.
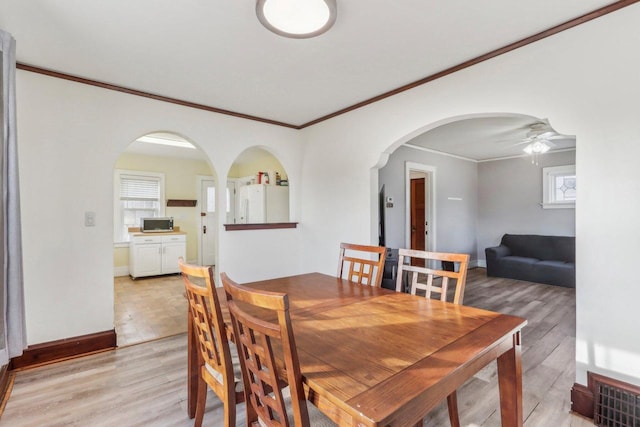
(487, 138)
(248, 156)
(217, 54)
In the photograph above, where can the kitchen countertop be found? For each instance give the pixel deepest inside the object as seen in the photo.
(135, 231)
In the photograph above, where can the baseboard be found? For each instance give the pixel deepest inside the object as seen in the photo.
(124, 270)
(6, 378)
(67, 348)
(582, 400)
(121, 271)
(480, 263)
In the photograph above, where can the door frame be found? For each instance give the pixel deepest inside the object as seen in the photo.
(199, 180)
(429, 200)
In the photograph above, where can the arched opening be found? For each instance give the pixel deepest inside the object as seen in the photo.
(258, 189)
(160, 175)
(487, 185)
(482, 183)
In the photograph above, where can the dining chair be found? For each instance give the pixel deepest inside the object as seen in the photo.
(215, 352)
(435, 280)
(367, 267)
(273, 400)
(429, 278)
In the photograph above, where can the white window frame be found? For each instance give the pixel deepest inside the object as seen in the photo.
(549, 174)
(117, 224)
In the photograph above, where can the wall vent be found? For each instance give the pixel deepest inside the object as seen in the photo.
(616, 403)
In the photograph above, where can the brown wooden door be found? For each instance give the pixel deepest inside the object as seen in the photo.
(417, 218)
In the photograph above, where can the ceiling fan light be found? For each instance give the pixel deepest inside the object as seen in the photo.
(537, 147)
(297, 18)
(543, 147)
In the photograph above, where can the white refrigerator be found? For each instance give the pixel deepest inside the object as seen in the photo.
(260, 203)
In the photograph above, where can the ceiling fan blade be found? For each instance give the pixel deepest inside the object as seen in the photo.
(560, 136)
(524, 141)
(516, 140)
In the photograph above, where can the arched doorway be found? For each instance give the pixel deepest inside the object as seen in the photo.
(487, 184)
(158, 175)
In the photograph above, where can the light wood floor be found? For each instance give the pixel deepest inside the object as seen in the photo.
(149, 308)
(145, 384)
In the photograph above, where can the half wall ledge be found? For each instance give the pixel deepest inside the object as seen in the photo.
(266, 226)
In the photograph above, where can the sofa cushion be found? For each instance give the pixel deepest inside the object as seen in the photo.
(552, 248)
(515, 266)
(555, 273)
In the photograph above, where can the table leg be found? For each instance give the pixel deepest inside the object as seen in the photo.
(192, 368)
(510, 384)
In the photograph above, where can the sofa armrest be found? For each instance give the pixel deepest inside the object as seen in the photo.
(497, 252)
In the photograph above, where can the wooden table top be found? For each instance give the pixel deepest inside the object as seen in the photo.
(375, 357)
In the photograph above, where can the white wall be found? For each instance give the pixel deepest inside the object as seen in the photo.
(70, 136)
(509, 197)
(584, 80)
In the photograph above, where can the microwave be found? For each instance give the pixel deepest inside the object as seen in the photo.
(156, 225)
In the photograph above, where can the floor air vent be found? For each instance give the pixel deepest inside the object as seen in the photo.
(616, 404)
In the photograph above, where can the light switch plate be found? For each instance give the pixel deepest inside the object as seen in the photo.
(89, 219)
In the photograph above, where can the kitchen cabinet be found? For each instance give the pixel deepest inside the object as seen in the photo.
(152, 255)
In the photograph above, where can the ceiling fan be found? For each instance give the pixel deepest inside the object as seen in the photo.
(538, 138)
(538, 131)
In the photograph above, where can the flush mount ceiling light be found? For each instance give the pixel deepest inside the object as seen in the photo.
(298, 19)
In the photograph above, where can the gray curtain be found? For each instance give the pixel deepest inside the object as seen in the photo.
(12, 332)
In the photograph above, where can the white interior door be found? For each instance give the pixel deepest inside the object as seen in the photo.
(208, 222)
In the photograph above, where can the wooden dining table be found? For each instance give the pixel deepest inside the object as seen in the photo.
(373, 357)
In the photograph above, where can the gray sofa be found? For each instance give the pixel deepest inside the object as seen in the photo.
(534, 258)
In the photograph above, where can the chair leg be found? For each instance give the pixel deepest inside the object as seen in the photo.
(201, 402)
(229, 414)
(230, 409)
(452, 404)
(252, 415)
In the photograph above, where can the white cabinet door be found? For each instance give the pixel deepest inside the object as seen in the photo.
(146, 260)
(156, 254)
(170, 254)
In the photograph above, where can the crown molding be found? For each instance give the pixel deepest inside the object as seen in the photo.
(117, 88)
(471, 62)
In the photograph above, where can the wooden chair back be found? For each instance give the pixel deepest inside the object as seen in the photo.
(256, 339)
(212, 341)
(367, 268)
(429, 278)
(432, 280)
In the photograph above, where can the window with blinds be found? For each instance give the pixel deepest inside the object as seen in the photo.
(138, 195)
